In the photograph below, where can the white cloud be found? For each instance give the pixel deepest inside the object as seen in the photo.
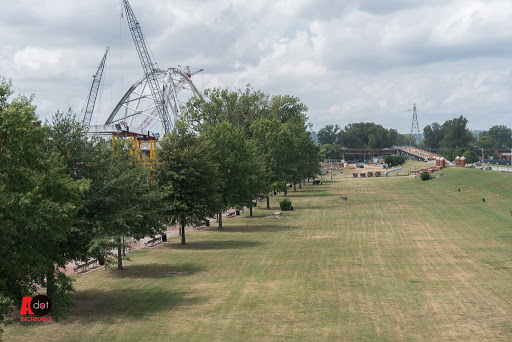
(33, 58)
(365, 60)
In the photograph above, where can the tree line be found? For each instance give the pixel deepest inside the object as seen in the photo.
(357, 135)
(67, 198)
(452, 138)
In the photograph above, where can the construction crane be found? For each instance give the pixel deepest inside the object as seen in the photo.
(149, 67)
(91, 100)
(179, 86)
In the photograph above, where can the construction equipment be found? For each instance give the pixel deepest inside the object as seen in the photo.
(93, 93)
(149, 66)
(173, 92)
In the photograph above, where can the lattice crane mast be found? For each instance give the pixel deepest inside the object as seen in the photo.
(179, 86)
(148, 66)
(93, 93)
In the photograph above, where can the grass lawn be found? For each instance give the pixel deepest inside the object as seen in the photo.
(402, 260)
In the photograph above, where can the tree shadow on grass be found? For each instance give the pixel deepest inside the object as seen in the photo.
(320, 190)
(112, 306)
(205, 245)
(268, 228)
(154, 270)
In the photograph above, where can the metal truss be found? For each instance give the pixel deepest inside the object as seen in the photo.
(137, 107)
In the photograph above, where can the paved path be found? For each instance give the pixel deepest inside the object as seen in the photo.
(135, 245)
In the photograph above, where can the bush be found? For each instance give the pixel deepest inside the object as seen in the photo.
(394, 160)
(285, 204)
(424, 175)
(316, 181)
(471, 156)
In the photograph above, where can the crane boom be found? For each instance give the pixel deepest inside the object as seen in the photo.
(148, 66)
(179, 86)
(93, 93)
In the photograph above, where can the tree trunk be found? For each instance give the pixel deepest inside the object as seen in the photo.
(268, 202)
(250, 210)
(119, 256)
(183, 242)
(124, 248)
(50, 282)
(294, 186)
(300, 185)
(220, 220)
(285, 189)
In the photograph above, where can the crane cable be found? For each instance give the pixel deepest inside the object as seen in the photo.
(121, 38)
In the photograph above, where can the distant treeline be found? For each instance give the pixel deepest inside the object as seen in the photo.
(453, 138)
(357, 135)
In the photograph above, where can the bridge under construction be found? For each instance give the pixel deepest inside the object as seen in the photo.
(150, 107)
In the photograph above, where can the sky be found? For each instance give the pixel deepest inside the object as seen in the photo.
(348, 61)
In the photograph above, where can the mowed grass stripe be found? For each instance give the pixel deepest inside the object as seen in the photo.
(402, 260)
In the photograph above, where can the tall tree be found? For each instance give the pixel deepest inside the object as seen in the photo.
(367, 135)
(188, 178)
(501, 134)
(487, 142)
(38, 204)
(121, 199)
(432, 135)
(456, 133)
(328, 134)
(239, 165)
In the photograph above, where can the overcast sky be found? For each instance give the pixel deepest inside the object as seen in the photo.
(348, 61)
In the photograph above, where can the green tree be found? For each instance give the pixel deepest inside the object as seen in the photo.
(121, 199)
(432, 135)
(240, 168)
(241, 108)
(487, 142)
(367, 135)
(328, 135)
(38, 205)
(188, 178)
(501, 134)
(328, 151)
(394, 160)
(306, 161)
(275, 141)
(471, 156)
(456, 133)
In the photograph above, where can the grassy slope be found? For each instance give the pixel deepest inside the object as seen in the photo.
(402, 260)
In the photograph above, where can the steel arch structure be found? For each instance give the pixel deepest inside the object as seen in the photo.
(137, 107)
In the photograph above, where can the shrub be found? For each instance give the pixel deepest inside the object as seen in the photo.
(285, 204)
(394, 160)
(424, 175)
(471, 156)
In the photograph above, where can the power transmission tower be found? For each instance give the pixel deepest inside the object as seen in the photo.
(414, 125)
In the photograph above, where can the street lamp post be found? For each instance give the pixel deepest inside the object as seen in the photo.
(482, 156)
